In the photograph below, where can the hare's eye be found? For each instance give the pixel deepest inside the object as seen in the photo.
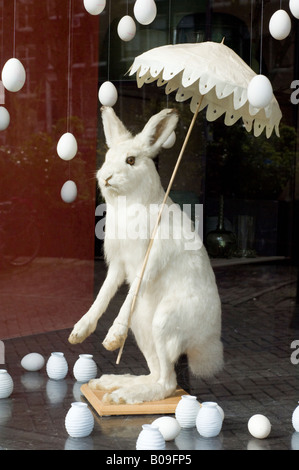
(130, 160)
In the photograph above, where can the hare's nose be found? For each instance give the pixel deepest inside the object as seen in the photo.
(106, 181)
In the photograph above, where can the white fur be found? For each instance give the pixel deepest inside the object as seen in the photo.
(178, 308)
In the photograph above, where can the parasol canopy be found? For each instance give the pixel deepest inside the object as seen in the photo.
(212, 75)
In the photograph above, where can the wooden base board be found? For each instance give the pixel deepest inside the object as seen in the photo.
(166, 406)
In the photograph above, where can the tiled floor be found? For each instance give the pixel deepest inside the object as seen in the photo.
(258, 377)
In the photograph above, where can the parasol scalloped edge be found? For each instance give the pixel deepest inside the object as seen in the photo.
(223, 90)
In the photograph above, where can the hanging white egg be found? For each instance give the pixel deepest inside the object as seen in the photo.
(69, 191)
(145, 11)
(126, 28)
(259, 92)
(67, 146)
(294, 8)
(4, 118)
(280, 25)
(108, 94)
(13, 75)
(259, 426)
(94, 7)
(170, 141)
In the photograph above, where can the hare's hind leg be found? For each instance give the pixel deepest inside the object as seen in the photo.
(161, 358)
(144, 388)
(110, 382)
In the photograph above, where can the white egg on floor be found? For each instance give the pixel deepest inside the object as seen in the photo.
(168, 427)
(32, 362)
(259, 426)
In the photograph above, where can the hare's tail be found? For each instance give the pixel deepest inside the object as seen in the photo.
(206, 359)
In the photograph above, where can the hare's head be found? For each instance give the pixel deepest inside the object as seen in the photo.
(128, 169)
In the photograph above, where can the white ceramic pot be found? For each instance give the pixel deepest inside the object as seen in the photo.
(209, 420)
(295, 419)
(57, 366)
(79, 420)
(150, 438)
(85, 368)
(217, 406)
(6, 384)
(187, 410)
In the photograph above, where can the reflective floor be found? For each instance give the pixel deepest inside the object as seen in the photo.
(259, 326)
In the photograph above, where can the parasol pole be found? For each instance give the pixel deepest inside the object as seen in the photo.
(140, 277)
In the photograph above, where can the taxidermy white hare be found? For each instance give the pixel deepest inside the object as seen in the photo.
(178, 309)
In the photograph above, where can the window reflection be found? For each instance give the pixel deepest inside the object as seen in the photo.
(47, 245)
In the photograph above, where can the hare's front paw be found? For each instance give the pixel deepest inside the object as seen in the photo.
(115, 336)
(82, 329)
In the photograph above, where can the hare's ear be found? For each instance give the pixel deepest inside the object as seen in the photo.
(158, 129)
(114, 129)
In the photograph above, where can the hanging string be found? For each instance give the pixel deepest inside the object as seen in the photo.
(2, 89)
(261, 45)
(109, 39)
(69, 67)
(251, 32)
(14, 29)
(169, 39)
(169, 23)
(2, 29)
